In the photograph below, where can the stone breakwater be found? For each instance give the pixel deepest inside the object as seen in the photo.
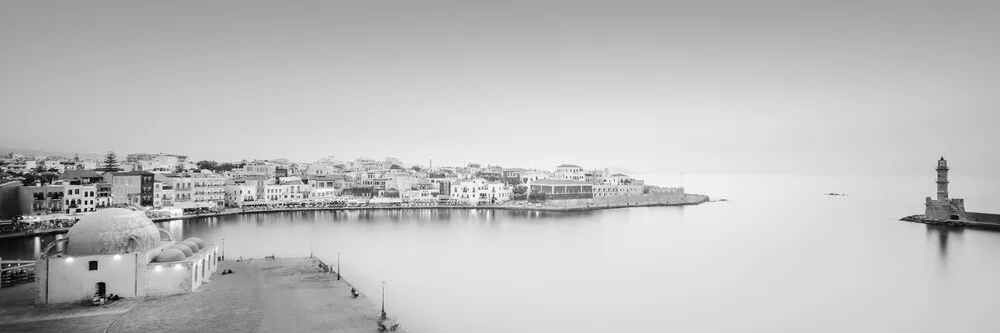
(983, 221)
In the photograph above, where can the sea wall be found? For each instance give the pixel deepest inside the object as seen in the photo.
(983, 217)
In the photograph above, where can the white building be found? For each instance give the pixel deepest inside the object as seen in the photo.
(239, 193)
(120, 251)
(478, 190)
(533, 175)
(570, 172)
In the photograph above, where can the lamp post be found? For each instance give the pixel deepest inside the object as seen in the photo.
(223, 249)
(338, 266)
(383, 299)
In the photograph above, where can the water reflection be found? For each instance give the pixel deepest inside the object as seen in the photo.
(943, 232)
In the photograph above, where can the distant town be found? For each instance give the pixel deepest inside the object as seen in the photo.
(36, 187)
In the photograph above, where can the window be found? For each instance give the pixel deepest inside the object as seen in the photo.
(92, 265)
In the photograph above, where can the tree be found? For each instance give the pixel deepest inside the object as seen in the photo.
(29, 179)
(537, 196)
(39, 168)
(110, 163)
(179, 168)
(416, 168)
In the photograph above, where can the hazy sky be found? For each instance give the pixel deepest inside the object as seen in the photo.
(655, 86)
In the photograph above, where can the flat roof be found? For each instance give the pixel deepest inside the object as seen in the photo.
(558, 182)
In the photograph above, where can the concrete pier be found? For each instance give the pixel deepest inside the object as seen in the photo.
(262, 295)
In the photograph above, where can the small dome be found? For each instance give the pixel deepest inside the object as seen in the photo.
(194, 247)
(169, 255)
(112, 231)
(182, 248)
(201, 245)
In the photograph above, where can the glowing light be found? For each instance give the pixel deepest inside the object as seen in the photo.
(178, 266)
(70, 259)
(158, 267)
(117, 256)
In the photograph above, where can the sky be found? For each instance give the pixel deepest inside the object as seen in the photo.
(651, 86)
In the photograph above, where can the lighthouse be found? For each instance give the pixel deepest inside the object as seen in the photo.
(944, 208)
(942, 180)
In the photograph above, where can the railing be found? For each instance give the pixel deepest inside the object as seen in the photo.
(15, 272)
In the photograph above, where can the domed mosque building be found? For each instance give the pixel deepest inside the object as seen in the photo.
(120, 251)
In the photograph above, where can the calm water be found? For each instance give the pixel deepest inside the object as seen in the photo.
(779, 256)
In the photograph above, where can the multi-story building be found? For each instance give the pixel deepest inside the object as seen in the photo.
(259, 168)
(533, 175)
(80, 198)
(478, 190)
(132, 188)
(512, 176)
(41, 200)
(104, 191)
(595, 177)
(182, 185)
(240, 192)
(569, 172)
(167, 194)
(208, 187)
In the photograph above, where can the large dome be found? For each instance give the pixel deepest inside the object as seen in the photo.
(111, 231)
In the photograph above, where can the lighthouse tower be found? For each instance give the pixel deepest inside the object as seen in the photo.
(942, 180)
(944, 208)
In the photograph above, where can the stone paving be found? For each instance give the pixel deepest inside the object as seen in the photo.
(282, 295)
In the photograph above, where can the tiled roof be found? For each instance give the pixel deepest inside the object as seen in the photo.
(74, 174)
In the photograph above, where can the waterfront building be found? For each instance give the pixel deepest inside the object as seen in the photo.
(120, 251)
(157, 193)
(609, 190)
(466, 190)
(61, 197)
(557, 189)
(131, 188)
(182, 185)
(239, 192)
(10, 198)
(478, 190)
(336, 182)
(41, 200)
(166, 194)
(208, 187)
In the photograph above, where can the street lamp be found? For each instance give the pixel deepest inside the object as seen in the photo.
(338, 266)
(383, 299)
(223, 249)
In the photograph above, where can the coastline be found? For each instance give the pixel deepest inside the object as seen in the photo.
(687, 200)
(951, 223)
(695, 200)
